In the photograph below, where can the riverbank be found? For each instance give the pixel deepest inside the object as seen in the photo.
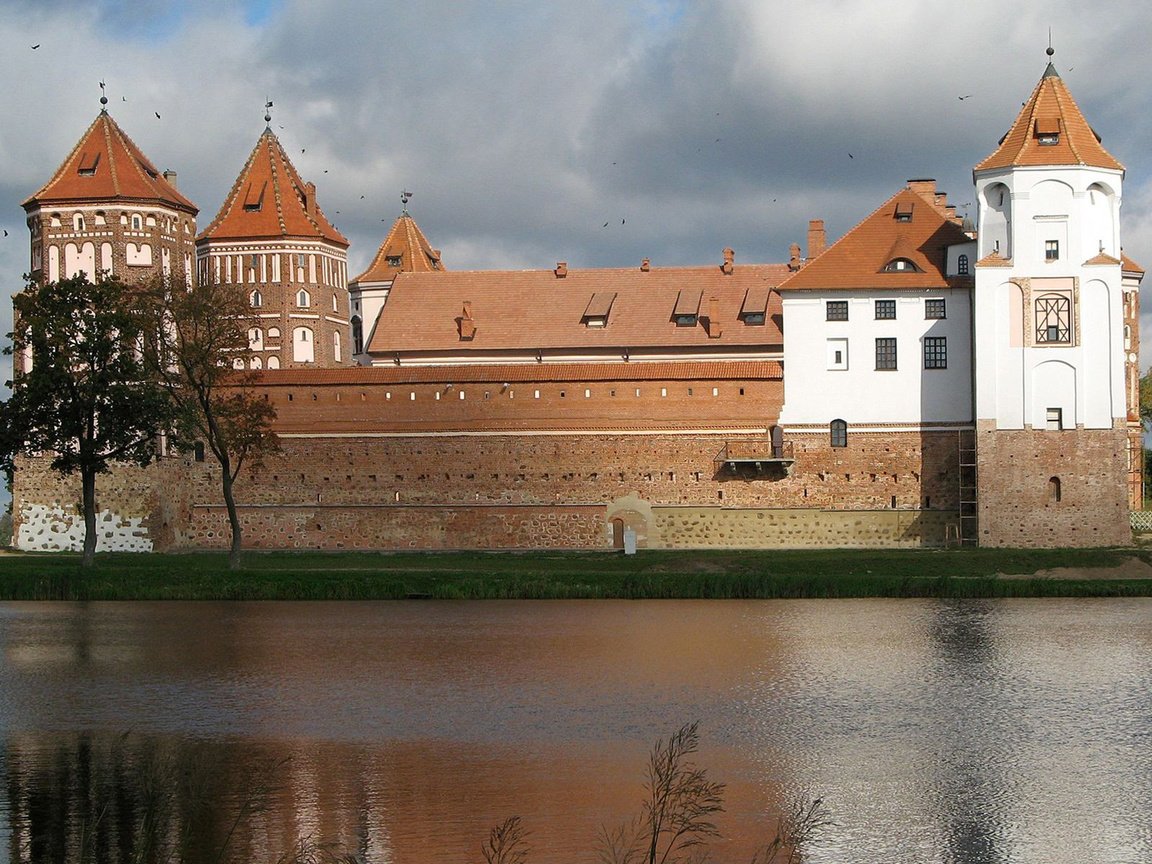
(731, 574)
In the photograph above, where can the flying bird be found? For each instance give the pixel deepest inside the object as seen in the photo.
(301, 149)
(962, 98)
(850, 156)
(605, 225)
(157, 115)
(37, 45)
(5, 232)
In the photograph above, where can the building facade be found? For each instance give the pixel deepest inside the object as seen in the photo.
(918, 382)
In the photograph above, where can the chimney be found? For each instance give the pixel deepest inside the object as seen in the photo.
(561, 269)
(466, 323)
(645, 265)
(817, 239)
(729, 257)
(170, 176)
(923, 185)
(794, 262)
(310, 198)
(714, 329)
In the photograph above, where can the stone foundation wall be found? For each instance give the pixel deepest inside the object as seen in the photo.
(528, 491)
(1040, 488)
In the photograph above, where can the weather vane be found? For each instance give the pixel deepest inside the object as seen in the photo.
(103, 97)
(268, 112)
(405, 197)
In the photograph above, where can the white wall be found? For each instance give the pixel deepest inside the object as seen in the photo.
(814, 393)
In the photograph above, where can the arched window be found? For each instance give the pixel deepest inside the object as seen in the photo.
(901, 265)
(336, 354)
(273, 362)
(962, 265)
(1054, 490)
(256, 364)
(335, 302)
(78, 222)
(255, 339)
(303, 300)
(838, 433)
(137, 222)
(256, 298)
(303, 349)
(273, 332)
(357, 335)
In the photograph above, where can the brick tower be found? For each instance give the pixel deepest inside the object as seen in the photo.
(1049, 327)
(272, 241)
(107, 209)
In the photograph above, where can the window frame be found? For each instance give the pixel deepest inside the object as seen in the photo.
(834, 308)
(889, 310)
(929, 309)
(935, 352)
(838, 433)
(886, 356)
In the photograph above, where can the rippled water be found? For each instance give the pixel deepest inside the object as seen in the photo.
(952, 732)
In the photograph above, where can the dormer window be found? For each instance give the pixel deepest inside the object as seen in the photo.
(1048, 131)
(596, 312)
(393, 260)
(754, 309)
(687, 309)
(88, 163)
(962, 265)
(254, 198)
(904, 211)
(753, 319)
(901, 265)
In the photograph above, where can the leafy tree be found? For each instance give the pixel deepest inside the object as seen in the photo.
(197, 341)
(86, 398)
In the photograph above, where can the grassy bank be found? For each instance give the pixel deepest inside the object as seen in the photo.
(555, 575)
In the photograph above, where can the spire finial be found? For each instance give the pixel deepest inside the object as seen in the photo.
(103, 98)
(268, 112)
(405, 197)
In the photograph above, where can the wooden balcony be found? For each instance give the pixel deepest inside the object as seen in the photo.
(768, 459)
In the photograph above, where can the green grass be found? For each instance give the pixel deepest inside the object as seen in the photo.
(557, 575)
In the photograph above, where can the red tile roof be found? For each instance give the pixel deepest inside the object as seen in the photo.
(1050, 111)
(858, 259)
(407, 243)
(269, 199)
(531, 309)
(106, 165)
(1129, 265)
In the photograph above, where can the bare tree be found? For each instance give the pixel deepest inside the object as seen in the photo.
(804, 825)
(198, 347)
(676, 819)
(507, 843)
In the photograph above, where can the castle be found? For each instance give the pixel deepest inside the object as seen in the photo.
(915, 383)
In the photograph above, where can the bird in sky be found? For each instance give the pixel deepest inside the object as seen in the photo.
(37, 45)
(157, 115)
(850, 156)
(5, 232)
(962, 98)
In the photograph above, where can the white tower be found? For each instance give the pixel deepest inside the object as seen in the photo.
(1049, 333)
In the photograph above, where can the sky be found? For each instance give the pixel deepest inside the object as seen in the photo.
(597, 132)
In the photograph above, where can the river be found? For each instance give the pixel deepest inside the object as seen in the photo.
(958, 732)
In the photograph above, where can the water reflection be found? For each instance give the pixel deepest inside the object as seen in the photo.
(959, 733)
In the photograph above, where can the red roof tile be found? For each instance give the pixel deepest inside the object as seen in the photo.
(407, 243)
(858, 259)
(1050, 112)
(269, 199)
(537, 309)
(105, 165)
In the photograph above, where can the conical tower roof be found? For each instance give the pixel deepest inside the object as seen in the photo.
(405, 249)
(106, 165)
(270, 200)
(1050, 130)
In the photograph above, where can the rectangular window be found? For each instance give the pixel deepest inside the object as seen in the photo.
(885, 353)
(885, 310)
(934, 309)
(935, 352)
(1054, 418)
(1051, 250)
(836, 310)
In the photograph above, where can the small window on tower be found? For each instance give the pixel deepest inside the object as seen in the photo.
(1054, 419)
(1048, 131)
(393, 260)
(1051, 250)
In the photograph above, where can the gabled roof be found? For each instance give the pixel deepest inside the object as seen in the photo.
(913, 225)
(1050, 115)
(407, 244)
(269, 199)
(106, 165)
(1130, 266)
(525, 310)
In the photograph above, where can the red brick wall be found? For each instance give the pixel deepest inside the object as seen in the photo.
(1016, 498)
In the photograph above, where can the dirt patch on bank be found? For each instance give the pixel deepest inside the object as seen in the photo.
(1131, 568)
